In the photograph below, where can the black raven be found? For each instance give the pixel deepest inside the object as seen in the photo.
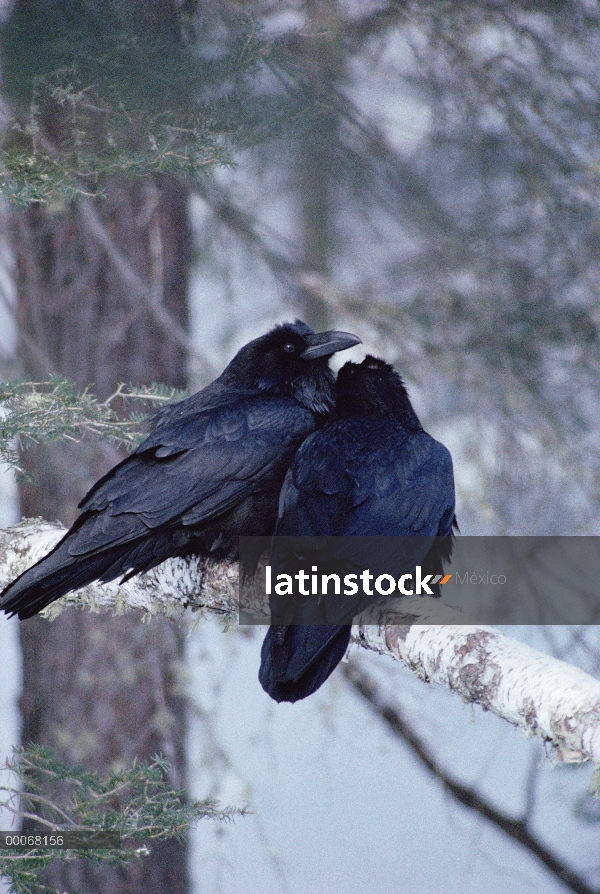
(210, 470)
(371, 471)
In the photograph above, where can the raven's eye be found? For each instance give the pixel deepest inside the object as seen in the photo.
(289, 348)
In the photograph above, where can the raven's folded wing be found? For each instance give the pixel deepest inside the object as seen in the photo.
(197, 469)
(354, 484)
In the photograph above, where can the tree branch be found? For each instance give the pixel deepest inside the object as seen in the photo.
(167, 591)
(149, 295)
(540, 694)
(517, 829)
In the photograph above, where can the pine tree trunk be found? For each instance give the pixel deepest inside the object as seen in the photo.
(94, 282)
(316, 160)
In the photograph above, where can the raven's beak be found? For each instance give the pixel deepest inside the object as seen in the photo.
(324, 344)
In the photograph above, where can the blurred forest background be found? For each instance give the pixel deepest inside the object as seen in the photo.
(179, 176)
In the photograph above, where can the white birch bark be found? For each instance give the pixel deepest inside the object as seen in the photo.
(540, 694)
(169, 590)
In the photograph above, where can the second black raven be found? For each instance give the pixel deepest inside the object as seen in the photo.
(372, 471)
(209, 471)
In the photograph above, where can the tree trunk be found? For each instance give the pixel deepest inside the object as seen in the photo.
(316, 159)
(102, 299)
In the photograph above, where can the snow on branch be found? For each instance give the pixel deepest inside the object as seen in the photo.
(541, 695)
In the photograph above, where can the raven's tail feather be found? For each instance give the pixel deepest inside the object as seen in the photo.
(55, 575)
(88, 553)
(64, 570)
(296, 661)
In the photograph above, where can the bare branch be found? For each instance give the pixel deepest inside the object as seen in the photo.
(168, 590)
(536, 692)
(517, 829)
(149, 295)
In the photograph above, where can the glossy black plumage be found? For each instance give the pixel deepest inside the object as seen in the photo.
(372, 471)
(209, 471)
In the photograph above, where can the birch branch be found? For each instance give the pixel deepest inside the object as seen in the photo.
(540, 694)
(170, 590)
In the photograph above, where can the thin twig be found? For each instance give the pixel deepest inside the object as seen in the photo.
(517, 829)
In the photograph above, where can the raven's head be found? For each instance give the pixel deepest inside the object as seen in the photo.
(291, 359)
(373, 387)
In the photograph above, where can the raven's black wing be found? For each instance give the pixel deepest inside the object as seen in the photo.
(356, 478)
(200, 467)
(163, 499)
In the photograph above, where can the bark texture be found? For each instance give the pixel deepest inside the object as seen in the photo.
(540, 694)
